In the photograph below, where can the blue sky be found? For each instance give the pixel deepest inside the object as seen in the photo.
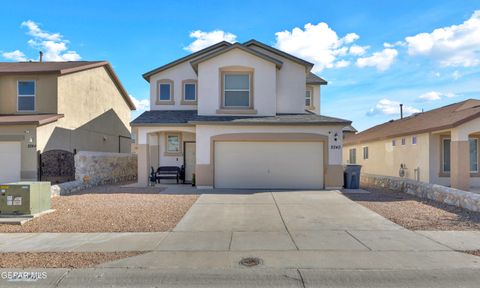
(375, 55)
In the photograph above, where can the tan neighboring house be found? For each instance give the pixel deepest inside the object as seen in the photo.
(51, 110)
(440, 146)
(243, 115)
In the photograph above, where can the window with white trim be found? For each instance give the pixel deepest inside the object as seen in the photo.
(173, 143)
(365, 153)
(236, 90)
(352, 156)
(308, 98)
(26, 92)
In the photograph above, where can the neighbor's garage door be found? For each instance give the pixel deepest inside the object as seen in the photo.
(10, 162)
(289, 165)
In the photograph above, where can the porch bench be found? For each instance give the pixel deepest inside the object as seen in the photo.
(168, 172)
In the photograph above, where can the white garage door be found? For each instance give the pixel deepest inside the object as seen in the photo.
(288, 165)
(10, 162)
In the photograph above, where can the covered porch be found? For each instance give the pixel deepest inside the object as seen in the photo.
(165, 146)
(457, 156)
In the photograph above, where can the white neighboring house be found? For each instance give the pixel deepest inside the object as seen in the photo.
(240, 116)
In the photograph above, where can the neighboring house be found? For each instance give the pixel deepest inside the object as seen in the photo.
(50, 110)
(240, 116)
(440, 146)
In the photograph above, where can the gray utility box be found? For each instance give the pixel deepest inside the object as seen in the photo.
(351, 176)
(24, 198)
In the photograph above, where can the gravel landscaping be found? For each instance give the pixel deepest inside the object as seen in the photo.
(60, 259)
(110, 209)
(415, 213)
(476, 252)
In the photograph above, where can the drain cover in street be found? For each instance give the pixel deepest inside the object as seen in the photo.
(250, 261)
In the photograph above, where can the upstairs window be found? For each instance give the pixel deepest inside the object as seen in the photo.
(404, 141)
(414, 140)
(237, 90)
(309, 98)
(165, 92)
(394, 142)
(26, 96)
(190, 91)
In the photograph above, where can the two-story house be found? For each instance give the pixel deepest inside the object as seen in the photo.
(240, 116)
(50, 110)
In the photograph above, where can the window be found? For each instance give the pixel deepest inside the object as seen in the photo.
(236, 90)
(165, 92)
(189, 92)
(26, 95)
(394, 143)
(365, 153)
(353, 156)
(414, 140)
(473, 154)
(173, 143)
(446, 155)
(404, 141)
(309, 98)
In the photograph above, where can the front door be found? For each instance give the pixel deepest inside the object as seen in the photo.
(190, 160)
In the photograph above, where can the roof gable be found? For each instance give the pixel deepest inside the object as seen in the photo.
(192, 56)
(308, 65)
(206, 57)
(64, 68)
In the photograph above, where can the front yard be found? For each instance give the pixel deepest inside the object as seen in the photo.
(110, 209)
(416, 214)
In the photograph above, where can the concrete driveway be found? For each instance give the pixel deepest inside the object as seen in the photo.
(293, 229)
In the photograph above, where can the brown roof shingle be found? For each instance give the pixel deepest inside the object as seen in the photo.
(437, 119)
(48, 67)
(34, 119)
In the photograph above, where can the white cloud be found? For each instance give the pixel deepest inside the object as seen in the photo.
(53, 46)
(16, 55)
(318, 44)
(357, 50)
(390, 107)
(456, 75)
(35, 31)
(342, 64)
(141, 104)
(455, 45)
(205, 39)
(381, 60)
(434, 95)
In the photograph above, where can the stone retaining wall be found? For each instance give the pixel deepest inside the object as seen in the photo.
(447, 195)
(99, 168)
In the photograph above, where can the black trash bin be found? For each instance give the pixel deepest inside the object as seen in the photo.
(351, 176)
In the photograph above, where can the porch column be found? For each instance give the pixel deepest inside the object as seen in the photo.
(460, 161)
(142, 148)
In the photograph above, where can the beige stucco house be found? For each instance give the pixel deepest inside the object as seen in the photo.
(242, 115)
(440, 146)
(51, 110)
